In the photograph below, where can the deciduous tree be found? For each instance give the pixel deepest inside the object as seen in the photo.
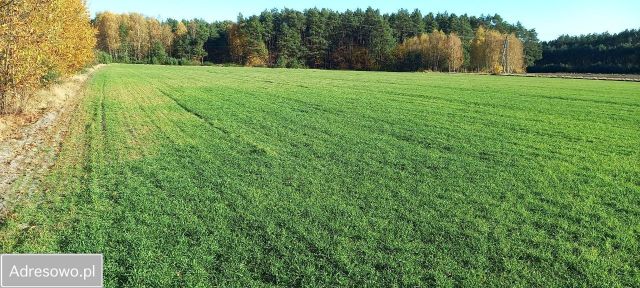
(39, 39)
(108, 25)
(497, 52)
(138, 36)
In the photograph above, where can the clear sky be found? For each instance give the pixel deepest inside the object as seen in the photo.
(550, 18)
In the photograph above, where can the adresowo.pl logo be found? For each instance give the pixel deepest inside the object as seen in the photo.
(51, 270)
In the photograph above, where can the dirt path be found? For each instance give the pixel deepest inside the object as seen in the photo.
(29, 143)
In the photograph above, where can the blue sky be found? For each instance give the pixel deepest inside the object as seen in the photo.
(551, 18)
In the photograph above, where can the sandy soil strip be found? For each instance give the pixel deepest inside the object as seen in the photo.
(30, 142)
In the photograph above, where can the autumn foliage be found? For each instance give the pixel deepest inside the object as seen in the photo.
(321, 38)
(495, 52)
(434, 51)
(134, 38)
(40, 39)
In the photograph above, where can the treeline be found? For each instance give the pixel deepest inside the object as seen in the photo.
(322, 38)
(592, 53)
(40, 41)
(134, 38)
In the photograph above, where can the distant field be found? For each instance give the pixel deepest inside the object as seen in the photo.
(186, 176)
(615, 77)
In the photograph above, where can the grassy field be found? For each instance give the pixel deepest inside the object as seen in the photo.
(187, 176)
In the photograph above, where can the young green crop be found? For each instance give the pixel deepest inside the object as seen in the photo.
(187, 176)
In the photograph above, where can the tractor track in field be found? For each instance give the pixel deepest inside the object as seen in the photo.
(28, 148)
(193, 112)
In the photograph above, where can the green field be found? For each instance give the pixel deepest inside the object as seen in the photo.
(199, 176)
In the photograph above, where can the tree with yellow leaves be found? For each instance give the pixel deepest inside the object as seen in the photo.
(495, 52)
(127, 35)
(478, 61)
(74, 45)
(38, 38)
(166, 37)
(437, 50)
(434, 51)
(108, 25)
(455, 56)
(138, 36)
(514, 55)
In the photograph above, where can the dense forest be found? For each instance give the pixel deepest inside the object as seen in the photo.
(323, 38)
(592, 53)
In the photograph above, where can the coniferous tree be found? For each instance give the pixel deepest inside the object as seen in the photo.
(379, 39)
(430, 23)
(316, 38)
(592, 53)
(255, 49)
(402, 24)
(418, 25)
(289, 43)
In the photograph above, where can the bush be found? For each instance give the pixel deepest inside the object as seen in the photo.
(230, 64)
(296, 64)
(187, 62)
(158, 54)
(171, 61)
(103, 57)
(52, 76)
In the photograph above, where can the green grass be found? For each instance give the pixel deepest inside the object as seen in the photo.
(199, 176)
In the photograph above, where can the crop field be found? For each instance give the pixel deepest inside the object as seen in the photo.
(200, 176)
